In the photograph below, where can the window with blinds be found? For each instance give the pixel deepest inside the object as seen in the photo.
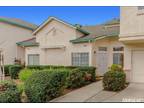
(80, 59)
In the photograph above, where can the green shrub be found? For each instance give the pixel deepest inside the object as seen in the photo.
(89, 71)
(14, 71)
(115, 79)
(57, 82)
(20, 87)
(41, 67)
(117, 68)
(56, 67)
(37, 67)
(75, 79)
(44, 86)
(6, 69)
(9, 92)
(70, 67)
(25, 74)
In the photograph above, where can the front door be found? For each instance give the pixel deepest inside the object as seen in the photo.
(102, 61)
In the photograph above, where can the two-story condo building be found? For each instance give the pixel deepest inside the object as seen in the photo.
(132, 35)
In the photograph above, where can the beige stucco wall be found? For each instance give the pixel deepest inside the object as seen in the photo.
(58, 34)
(131, 23)
(131, 34)
(109, 43)
(9, 35)
(128, 53)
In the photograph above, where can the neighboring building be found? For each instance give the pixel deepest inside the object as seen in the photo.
(56, 42)
(59, 43)
(11, 31)
(132, 35)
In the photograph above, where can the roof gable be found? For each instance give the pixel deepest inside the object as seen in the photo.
(53, 18)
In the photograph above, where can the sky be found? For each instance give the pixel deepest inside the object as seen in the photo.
(84, 15)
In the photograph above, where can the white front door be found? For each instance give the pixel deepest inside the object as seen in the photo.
(102, 62)
(138, 66)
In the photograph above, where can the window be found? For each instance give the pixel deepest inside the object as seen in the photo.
(118, 55)
(140, 7)
(102, 48)
(33, 59)
(118, 49)
(118, 58)
(80, 59)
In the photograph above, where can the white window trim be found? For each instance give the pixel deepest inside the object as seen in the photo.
(79, 62)
(33, 61)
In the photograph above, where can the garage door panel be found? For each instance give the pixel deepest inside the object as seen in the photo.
(138, 66)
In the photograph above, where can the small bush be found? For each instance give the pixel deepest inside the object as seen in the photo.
(44, 86)
(75, 79)
(116, 68)
(14, 71)
(25, 74)
(6, 69)
(9, 93)
(115, 79)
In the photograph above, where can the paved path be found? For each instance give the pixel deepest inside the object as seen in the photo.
(95, 93)
(82, 94)
(133, 93)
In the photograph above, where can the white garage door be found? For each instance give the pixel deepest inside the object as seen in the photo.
(138, 66)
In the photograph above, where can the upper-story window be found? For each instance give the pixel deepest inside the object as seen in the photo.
(140, 7)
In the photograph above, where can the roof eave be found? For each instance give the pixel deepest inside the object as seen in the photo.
(12, 23)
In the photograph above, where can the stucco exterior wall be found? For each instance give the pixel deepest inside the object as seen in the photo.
(131, 22)
(129, 48)
(9, 35)
(132, 34)
(56, 34)
(109, 43)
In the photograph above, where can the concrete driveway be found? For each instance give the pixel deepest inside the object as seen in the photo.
(133, 93)
(95, 93)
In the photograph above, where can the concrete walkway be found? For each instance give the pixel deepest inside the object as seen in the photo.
(95, 93)
(82, 94)
(133, 93)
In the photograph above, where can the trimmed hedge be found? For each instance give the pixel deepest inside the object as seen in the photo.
(6, 69)
(14, 71)
(41, 67)
(89, 71)
(44, 86)
(114, 80)
(9, 92)
(75, 79)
